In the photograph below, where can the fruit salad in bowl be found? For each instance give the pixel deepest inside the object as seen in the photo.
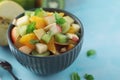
(44, 33)
(47, 40)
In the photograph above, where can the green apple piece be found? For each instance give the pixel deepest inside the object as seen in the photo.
(65, 27)
(68, 19)
(39, 33)
(10, 9)
(46, 37)
(61, 38)
(22, 30)
(24, 20)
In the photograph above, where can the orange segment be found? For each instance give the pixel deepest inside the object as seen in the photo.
(72, 30)
(51, 46)
(26, 40)
(40, 23)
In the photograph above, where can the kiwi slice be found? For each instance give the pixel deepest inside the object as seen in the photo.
(53, 4)
(61, 38)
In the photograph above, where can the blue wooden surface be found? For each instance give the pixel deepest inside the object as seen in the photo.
(101, 20)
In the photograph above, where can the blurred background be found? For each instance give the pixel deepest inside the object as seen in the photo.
(29, 4)
(101, 21)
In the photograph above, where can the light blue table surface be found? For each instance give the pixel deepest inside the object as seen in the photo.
(101, 21)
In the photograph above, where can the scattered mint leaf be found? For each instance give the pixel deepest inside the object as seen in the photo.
(75, 76)
(91, 52)
(30, 27)
(88, 77)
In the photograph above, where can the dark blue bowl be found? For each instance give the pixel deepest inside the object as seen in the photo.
(51, 64)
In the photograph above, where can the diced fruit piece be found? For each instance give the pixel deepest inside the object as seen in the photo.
(35, 53)
(26, 40)
(52, 47)
(70, 46)
(49, 26)
(41, 48)
(61, 14)
(40, 23)
(72, 30)
(29, 13)
(50, 19)
(63, 49)
(59, 28)
(22, 30)
(14, 34)
(65, 27)
(73, 37)
(49, 13)
(55, 28)
(18, 44)
(22, 21)
(61, 38)
(25, 49)
(76, 27)
(46, 37)
(39, 33)
(68, 19)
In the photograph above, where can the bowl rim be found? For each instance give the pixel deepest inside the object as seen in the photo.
(47, 9)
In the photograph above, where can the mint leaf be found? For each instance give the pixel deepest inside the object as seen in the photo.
(91, 52)
(88, 77)
(30, 27)
(75, 76)
(40, 12)
(59, 19)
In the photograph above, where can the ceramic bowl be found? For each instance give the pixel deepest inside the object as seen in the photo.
(51, 64)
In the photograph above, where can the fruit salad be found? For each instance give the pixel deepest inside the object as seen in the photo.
(43, 33)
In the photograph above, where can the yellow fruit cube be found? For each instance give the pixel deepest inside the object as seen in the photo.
(40, 23)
